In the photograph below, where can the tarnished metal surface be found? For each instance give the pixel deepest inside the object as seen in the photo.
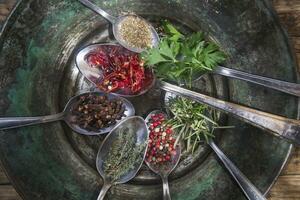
(38, 75)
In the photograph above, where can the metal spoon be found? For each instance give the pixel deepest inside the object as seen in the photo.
(283, 86)
(164, 170)
(116, 21)
(66, 115)
(95, 75)
(251, 192)
(135, 124)
(286, 128)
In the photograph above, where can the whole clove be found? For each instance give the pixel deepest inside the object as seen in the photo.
(94, 112)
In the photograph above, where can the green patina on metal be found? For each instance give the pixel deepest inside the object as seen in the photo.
(45, 162)
(21, 92)
(199, 185)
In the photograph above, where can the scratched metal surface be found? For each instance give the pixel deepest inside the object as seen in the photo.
(37, 76)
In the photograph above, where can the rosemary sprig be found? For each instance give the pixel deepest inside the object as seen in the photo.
(193, 122)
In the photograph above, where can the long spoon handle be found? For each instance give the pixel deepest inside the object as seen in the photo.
(166, 190)
(98, 10)
(251, 192)
(283, 86)
(103, 191)
(14, 122)
(279, 126)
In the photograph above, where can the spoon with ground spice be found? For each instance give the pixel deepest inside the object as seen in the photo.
(131, 31)
(122, 153)
(90, 113)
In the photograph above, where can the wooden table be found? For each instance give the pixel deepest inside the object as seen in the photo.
(288, 185)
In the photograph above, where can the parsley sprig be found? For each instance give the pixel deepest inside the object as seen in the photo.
(182, 58)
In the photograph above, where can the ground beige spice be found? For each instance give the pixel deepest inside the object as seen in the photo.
(136, 32)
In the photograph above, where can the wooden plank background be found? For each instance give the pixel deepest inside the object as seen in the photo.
(288, 185)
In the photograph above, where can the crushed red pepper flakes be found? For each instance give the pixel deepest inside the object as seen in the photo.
(122, 69)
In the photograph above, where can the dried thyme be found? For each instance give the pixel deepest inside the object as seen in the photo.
(124, 155)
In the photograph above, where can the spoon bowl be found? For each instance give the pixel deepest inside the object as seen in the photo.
(67, 116)
(116, 31)
(95, 74)
(138, 126)
(164, 170)
(116, 22)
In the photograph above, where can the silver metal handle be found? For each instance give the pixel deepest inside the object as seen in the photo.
(251, 192)
(286, 128)
(283, 86)
(14, 122)
(98, 10)
(166, 190)
(103, 191)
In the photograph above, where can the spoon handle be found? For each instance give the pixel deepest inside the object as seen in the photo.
(14, 122)
(251, 192)
(103, 191)
(283, 86)
(286, 128)
(98, 10)
(166, 190)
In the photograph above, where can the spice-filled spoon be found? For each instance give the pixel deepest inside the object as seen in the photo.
(184, 115)
(90, 113)
(278, 126)
(131, 31)
(162, 156)
(122, 153)
(113, 68)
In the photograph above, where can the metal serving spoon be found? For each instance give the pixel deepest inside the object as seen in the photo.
(164, 170)
(283, 86)
(66, 115)
(251, 192)
(279, 126)
(135, 124)
(116, 21)
(95, 75)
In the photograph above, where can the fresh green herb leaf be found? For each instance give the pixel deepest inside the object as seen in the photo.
(185, 57)
(173, 33)
(153, 57)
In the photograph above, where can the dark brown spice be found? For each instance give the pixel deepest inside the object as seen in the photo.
(96, 112)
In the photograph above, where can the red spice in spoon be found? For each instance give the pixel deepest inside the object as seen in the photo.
(122, 70)
(161, 140)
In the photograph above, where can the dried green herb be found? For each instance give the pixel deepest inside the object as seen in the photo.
(124, 155)
(182, 58)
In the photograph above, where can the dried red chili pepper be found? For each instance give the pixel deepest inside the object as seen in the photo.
(122, 69)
